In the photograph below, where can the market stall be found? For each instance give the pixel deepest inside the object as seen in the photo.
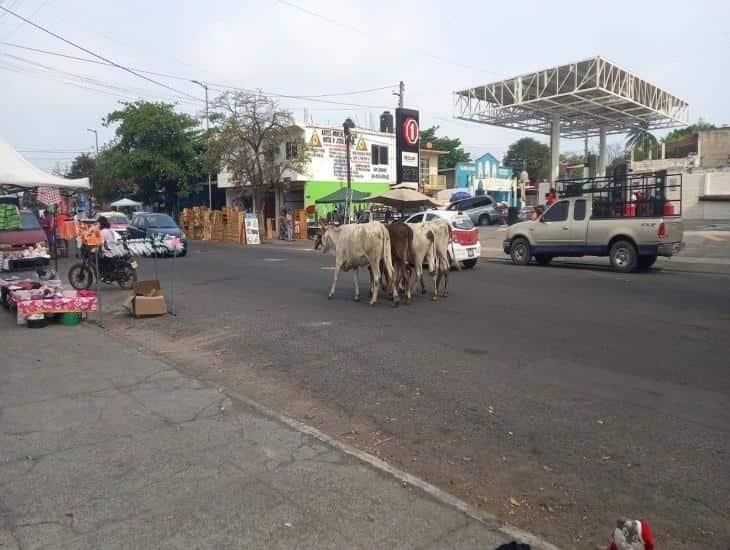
(27, 243)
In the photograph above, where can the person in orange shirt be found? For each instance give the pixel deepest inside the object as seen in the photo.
(551, 197)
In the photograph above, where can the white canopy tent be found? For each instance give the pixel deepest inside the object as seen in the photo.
(16, 171)
(123, 203)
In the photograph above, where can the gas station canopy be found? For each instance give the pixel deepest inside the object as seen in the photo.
(589, 97)
(593, 97)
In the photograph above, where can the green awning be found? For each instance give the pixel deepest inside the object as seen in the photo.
(340, 196)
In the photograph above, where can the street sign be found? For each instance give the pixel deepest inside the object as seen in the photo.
(407, 141)
(410, 131)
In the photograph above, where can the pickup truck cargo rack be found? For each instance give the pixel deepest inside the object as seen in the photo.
(628, 195)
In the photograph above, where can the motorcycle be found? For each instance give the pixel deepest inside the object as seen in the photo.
(120, 269)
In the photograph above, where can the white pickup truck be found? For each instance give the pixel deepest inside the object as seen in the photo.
(569, 229)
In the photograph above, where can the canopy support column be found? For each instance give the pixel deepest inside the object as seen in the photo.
(555, 148)
(602, 152)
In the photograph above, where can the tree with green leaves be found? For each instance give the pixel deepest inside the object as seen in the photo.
(531, 155)
(82, 166)
(257, 142)
(687, 131)
(642, 141)
(455, 152)
(154, 149)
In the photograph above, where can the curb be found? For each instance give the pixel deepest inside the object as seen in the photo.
(489, 520)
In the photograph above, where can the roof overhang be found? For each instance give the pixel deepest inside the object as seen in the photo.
(588, 95)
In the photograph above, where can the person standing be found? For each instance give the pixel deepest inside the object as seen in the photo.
(552, 196)
(289, 226)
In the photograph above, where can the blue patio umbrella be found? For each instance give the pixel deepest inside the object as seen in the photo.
(460, 196)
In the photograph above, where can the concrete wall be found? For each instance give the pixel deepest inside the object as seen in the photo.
(697, 185)
(714, 148)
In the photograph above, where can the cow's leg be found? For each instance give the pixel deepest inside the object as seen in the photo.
(433, 271)
(443, 270)
(419, 276)
(407, 275)
(447, 270)
(355, 279)
(393, 282)
(334, 283)
(375, 283)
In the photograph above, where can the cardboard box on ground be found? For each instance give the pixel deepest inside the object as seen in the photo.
(146, 299)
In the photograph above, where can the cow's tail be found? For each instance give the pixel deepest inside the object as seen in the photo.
(388, 262)
(433, 258)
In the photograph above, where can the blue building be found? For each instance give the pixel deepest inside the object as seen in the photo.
(487, 172)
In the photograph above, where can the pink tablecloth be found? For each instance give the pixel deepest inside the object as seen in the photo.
(57, 305)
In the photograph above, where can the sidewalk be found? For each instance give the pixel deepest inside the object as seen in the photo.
(102, 446)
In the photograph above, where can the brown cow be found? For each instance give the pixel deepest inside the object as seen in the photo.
(401, 244)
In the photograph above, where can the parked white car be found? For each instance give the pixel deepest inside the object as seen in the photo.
(464, 246)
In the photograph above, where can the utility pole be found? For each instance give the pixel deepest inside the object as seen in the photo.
(96, 139)
(207, 127)
(400, 93)
(347, 126)
(91, 194)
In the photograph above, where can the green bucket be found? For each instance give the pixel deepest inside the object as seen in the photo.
(69, 319)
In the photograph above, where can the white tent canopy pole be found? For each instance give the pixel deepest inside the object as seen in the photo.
(16, 171)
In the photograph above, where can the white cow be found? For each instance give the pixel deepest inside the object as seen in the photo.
(441, 238)
(360, 245)
(430, 246)
(422, 252)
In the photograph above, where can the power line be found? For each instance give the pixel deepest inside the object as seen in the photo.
(103, 87)
(223, 86)
(357, 92)
(127, 69)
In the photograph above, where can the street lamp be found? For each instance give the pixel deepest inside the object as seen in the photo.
(347, 126)
(96, 138)
(207, 123)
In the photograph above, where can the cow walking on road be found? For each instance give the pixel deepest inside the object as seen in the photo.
(431, 247)
(441, 230)
(401, 243)
(356, 246)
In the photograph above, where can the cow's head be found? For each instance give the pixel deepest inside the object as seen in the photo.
(324, 237)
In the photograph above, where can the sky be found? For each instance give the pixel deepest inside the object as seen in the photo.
(328, 49)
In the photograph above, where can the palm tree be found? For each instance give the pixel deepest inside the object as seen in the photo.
(641, 139)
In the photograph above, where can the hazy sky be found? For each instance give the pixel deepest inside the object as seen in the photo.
(332, 47)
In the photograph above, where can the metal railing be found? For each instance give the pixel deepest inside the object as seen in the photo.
(644, 195)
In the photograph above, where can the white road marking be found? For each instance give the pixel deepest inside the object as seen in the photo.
(274, 259)
(328, 267)
(319, 324)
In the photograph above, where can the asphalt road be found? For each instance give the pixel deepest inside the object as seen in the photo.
(558, 398)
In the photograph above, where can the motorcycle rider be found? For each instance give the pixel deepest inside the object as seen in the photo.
(108, 238)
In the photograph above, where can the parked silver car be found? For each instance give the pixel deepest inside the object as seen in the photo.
(480, 210)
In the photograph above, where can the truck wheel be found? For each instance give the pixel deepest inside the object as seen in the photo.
(520, 251)
(543, 259)
(645, 262)
(484, 219)
(623, 256)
